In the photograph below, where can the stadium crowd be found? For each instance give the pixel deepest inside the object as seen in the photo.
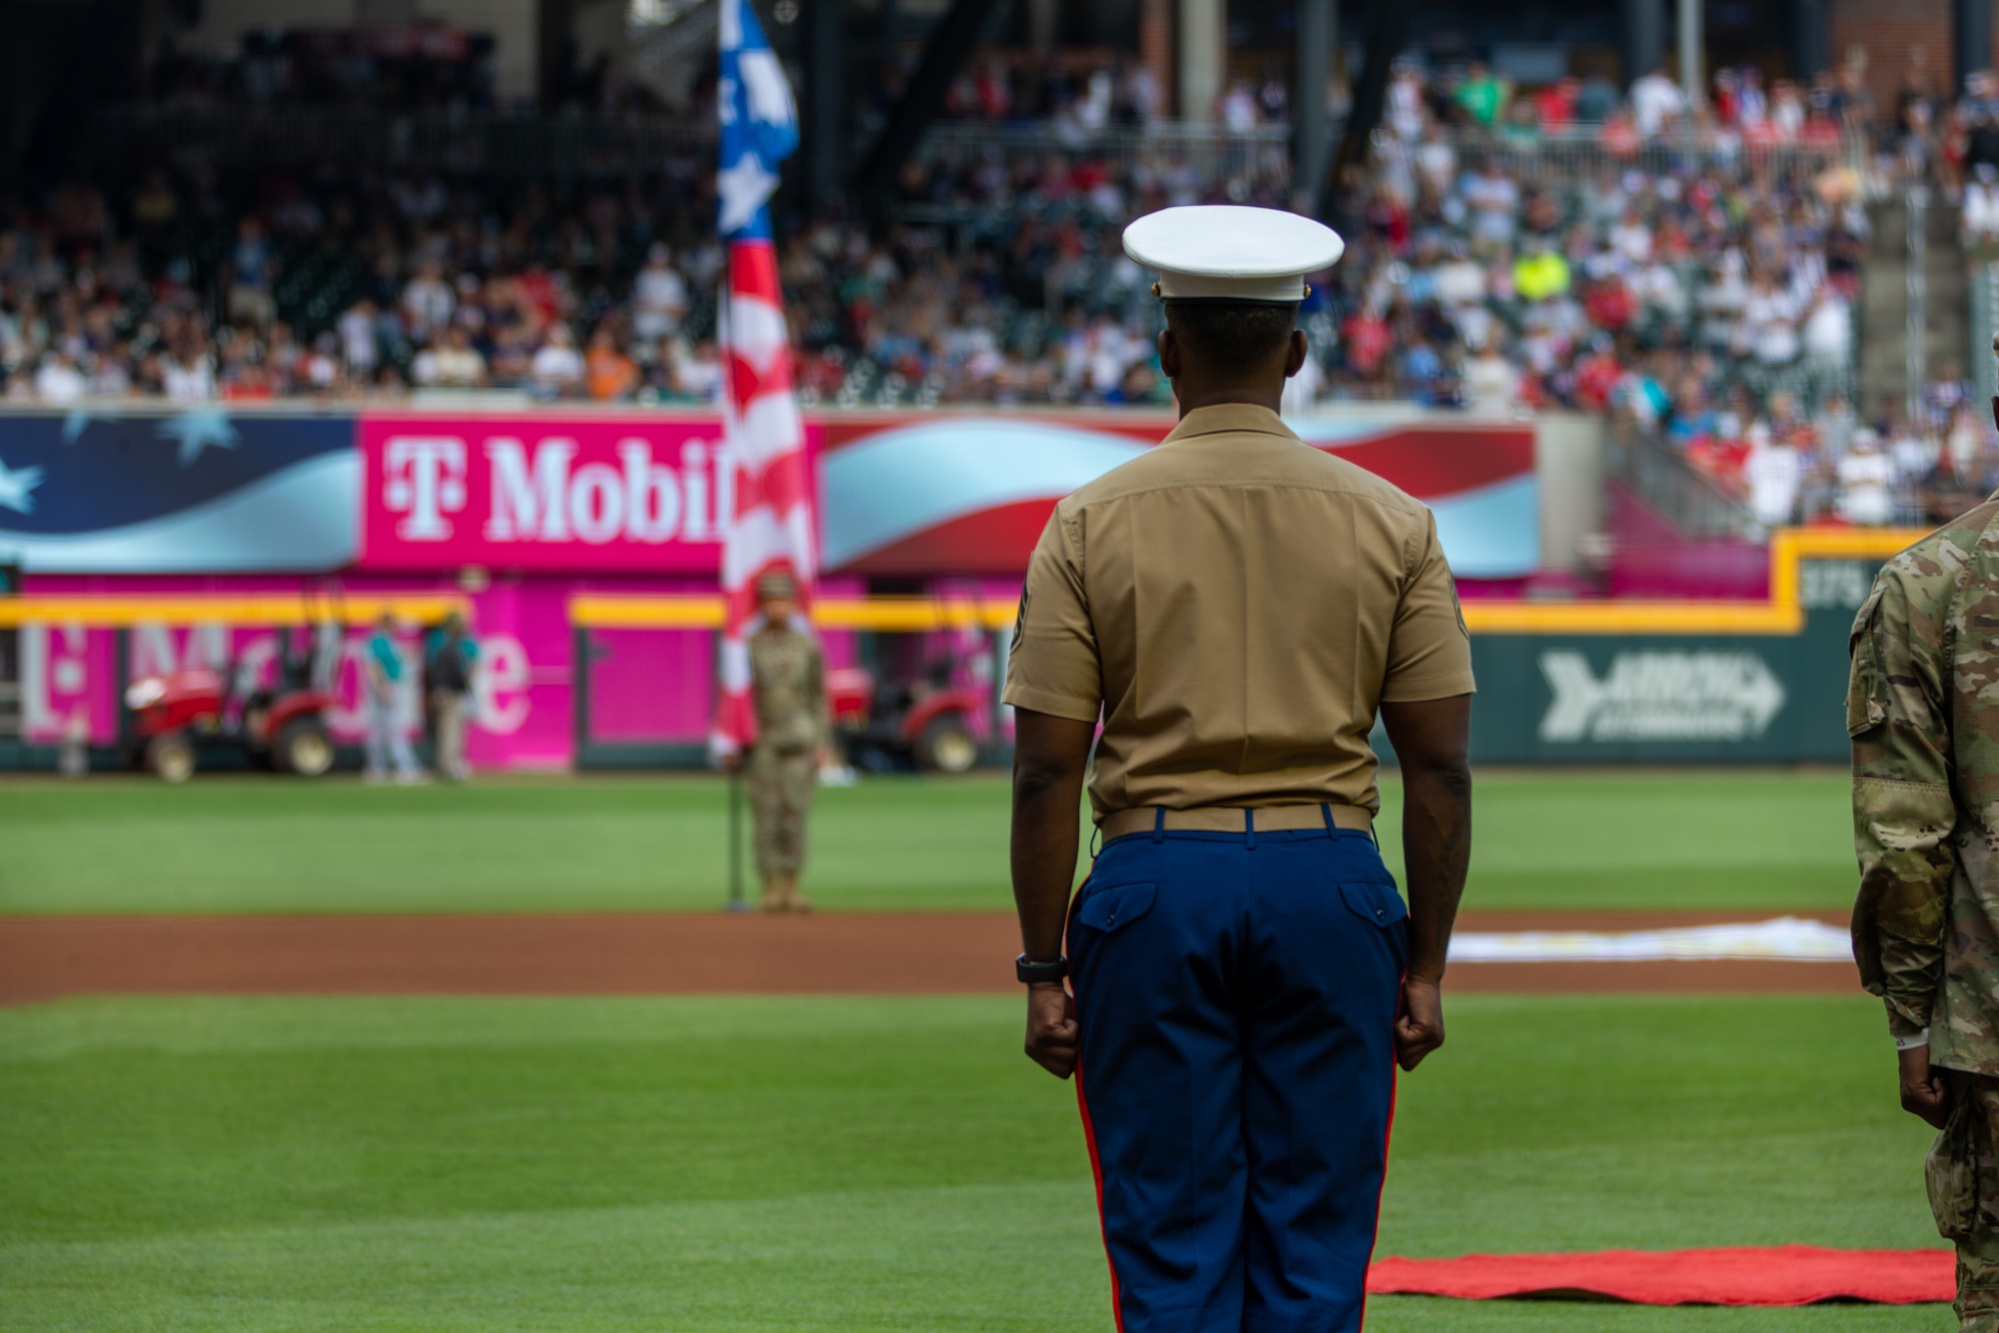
(1706, 291)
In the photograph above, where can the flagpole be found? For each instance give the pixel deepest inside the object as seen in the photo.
(737, 903)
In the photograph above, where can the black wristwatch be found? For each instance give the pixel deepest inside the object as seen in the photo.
(1029, 973)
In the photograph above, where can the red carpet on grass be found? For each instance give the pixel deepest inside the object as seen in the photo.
(1779, 1275)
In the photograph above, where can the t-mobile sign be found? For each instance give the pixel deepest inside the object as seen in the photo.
(613, 492)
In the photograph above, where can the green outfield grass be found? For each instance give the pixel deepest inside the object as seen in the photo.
(1589, 840)
(850, 1164)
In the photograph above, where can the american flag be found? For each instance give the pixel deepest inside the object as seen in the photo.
(771, 527)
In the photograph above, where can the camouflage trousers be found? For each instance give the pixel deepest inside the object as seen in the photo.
(780, 784)
(1963, 1179)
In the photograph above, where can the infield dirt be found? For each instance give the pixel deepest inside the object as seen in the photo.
(48, 957)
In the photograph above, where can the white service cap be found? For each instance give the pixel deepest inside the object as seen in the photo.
(1224, 252)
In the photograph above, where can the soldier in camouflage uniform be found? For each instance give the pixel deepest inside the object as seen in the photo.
(787, 683)
(1923, 711)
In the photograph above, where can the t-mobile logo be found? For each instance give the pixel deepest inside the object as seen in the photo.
(424, 478)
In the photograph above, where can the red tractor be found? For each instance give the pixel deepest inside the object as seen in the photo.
(284, 726)
(936, 726)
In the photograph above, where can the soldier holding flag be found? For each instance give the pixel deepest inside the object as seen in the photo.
(771, 702)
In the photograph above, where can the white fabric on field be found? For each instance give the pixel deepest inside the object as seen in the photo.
(1786, 939)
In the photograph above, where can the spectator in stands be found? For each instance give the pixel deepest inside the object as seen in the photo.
(252, 270)
(557, 370)
(427, 303)
(187, 372)
(58, 381)
(1491, 384)
(1482, 96)
(358, 342)
(1866, 482)
(1657, 103)
(659, 296)
(1774, 472)
(610, 374)
(457, 364)
(1981, 207)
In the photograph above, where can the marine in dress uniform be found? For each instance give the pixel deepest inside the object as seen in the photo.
(1921, 710)
(1236, 606)
(787, 687)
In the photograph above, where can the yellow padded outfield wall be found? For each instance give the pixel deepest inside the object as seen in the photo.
(1781, 613)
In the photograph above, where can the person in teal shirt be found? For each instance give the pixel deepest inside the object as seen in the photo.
(451, 656)
(383, 668)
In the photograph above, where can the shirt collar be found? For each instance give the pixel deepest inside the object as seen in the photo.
(1230, 417)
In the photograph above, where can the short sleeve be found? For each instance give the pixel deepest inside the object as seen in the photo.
(1429, 649)
(1053, 667)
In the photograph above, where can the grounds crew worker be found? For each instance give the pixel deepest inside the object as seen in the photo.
(1920, 708)
(787, 687)
(1237, 605)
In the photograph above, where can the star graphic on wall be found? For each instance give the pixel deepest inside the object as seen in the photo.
(197, 429)
(75, 423)
(744, 188)
(17, 487)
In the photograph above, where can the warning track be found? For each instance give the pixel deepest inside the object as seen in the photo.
(955, 953)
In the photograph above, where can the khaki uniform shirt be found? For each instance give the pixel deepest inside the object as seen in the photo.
(1237, 603)
(787, 685)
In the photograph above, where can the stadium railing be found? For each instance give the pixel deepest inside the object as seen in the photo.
(1688, 498)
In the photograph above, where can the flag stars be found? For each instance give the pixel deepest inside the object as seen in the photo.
(743, 187)
(17, 486)
(198, 429)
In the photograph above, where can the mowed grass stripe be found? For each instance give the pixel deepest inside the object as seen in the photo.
(851, 1164)
(1692, 840)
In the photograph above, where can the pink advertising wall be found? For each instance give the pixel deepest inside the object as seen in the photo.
(646, 687)
(532, 508)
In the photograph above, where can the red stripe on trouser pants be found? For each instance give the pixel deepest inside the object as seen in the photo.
(1097, 1171)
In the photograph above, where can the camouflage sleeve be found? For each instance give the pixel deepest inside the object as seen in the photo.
(817, 670)
(1897, 715)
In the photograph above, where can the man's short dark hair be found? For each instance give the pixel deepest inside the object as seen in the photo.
(1231, 337)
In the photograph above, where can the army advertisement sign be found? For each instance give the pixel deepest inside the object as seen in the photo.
(1674, 696)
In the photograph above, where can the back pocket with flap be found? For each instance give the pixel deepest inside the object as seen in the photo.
(1374, 900)
(1113, 905)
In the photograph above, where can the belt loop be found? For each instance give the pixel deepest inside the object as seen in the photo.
(1326, 810)
(1159, 823)
(1249, 828)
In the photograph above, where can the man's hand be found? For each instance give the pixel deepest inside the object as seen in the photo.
(1419, 1028)
(1051, 1028)
(1923, 1092)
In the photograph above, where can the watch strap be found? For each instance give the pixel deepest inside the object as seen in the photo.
(1031, 973)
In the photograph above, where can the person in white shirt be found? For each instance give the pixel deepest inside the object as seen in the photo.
(427, 302)
(1866, 481)
(1238, 108)
(58, 381)
(1775, 472)
(557, 369)
(659, 296)
(1494, 200)
(1828, 330)
(1770, 322)
(1632, 238)
(1491, 384)
(358, 346)
(698, 372)
(187, 374)
(1981, 206)
(455, 365)
(1655, 101)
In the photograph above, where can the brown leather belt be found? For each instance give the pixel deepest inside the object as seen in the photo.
(1234, 819)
